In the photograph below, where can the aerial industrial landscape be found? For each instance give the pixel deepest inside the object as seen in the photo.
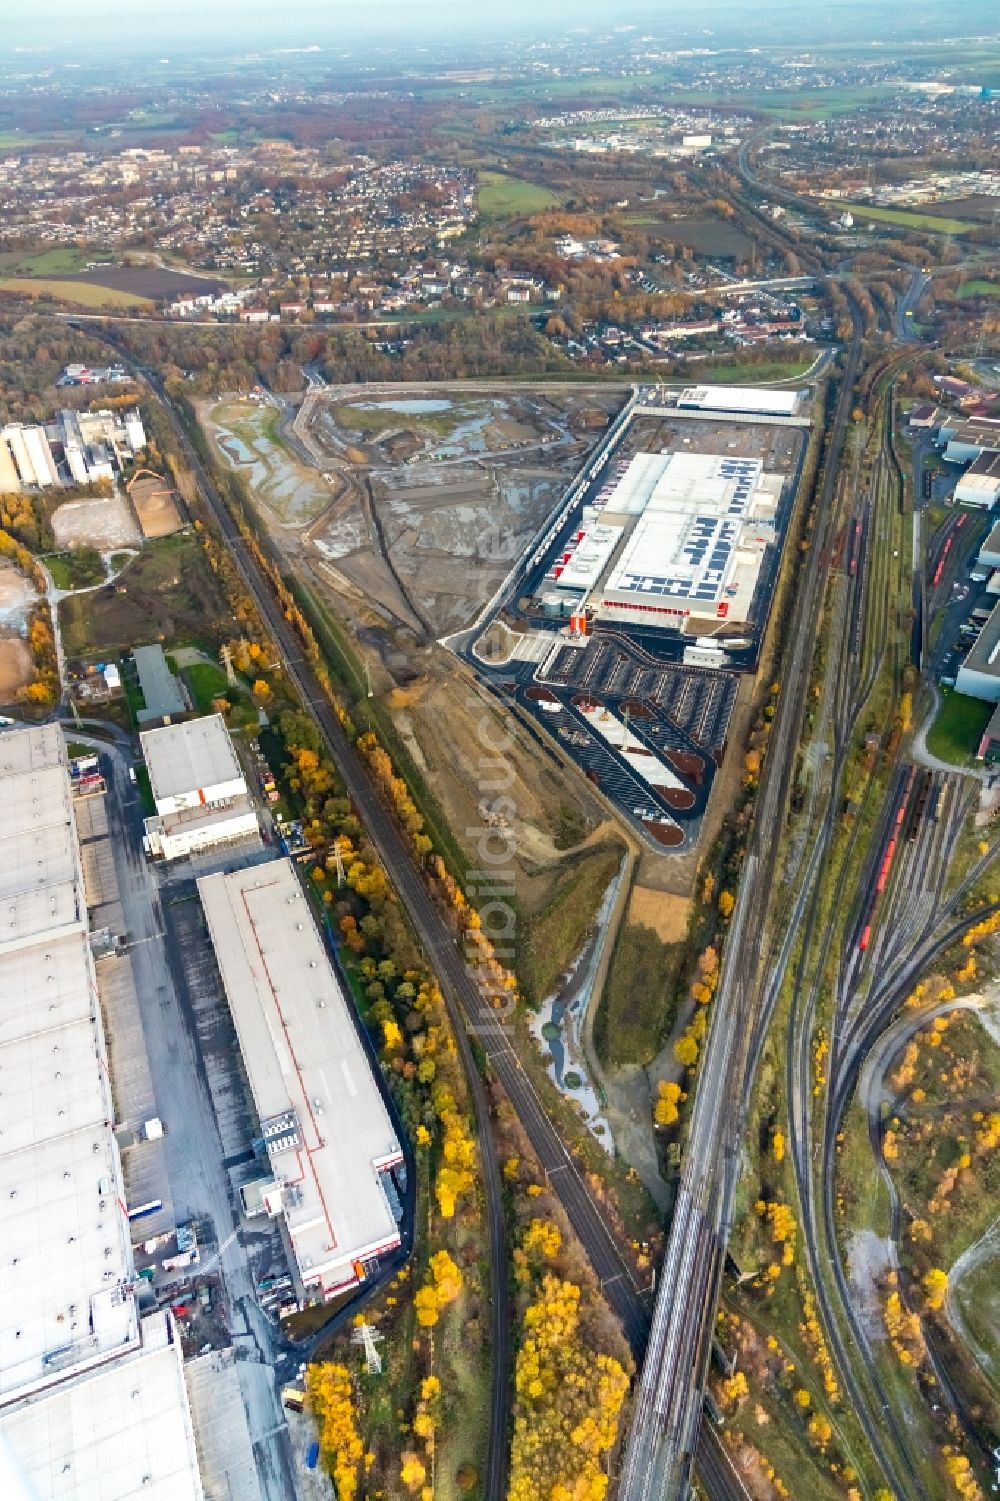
(499, 753)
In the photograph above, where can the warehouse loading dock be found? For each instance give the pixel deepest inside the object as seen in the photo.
(324, 1123)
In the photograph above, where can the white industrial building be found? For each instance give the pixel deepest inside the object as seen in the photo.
(32, 456)
(979, 674)
(989, 553)
(324, 1121)
(78, 448)
(745, 401)
(198, 787)
(980, 484)
(69, 1322)
(687, 534)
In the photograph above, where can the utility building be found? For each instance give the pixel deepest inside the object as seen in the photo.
(198, 787)
(329, 1137)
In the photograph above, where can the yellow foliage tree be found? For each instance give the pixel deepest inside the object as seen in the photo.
(665, 1111)
(935, 1285)
(567, 1402)
(331, 1398)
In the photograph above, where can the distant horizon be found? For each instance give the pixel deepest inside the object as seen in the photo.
(49, 27)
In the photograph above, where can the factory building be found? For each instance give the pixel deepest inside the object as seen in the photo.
(680, 537)
(93, 1405)
(331, 1145)
(78, 448)
(980, 484)
(741, 401)
(199, 790)
(989, 553)
(966, 438)
(979, 674)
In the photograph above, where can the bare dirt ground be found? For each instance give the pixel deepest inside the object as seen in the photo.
(442, 488)
(155, 505)
(665, 913)
(16, 597)
(15, 667)
(103, 524)
(471, 754)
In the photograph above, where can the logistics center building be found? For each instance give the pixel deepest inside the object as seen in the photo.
(198, 787)
(324, 1122)
(686, 535)
(93, 1404)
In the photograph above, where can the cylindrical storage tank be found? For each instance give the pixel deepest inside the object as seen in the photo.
(552, 604)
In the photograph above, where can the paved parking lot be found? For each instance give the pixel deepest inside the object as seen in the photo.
(681, 714)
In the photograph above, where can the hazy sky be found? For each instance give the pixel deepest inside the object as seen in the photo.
(279, 23)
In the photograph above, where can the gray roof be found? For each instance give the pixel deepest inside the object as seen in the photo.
(984, 655)
(161, 690)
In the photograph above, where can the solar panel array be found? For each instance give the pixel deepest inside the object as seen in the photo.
(693, 543)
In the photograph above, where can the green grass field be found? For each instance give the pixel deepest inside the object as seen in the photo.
(206, 682)
(956, 732)
(53, 263)
(754, 374)
(81, 293)
(906, 219)
(979, 288)
(502, 197)
(81, 568)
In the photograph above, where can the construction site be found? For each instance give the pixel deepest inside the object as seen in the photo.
(627, 623)
(450, 546)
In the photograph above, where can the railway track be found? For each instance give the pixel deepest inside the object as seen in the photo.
(661, 1448)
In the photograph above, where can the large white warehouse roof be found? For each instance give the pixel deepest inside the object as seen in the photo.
(84, 1400)
(744, 399)
(121, 1433)
(321, 1111)
(191, 763)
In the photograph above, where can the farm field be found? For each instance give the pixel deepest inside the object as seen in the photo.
(153, 282)
(67, 263)
(711, 237)
(58, 261)
(980, 206)
(502, 197)
(906, 218)
(82, 293)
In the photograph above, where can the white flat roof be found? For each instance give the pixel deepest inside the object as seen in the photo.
(183, 757)
(748, 399)
(308, 1072)
(696, 530)
(42, 746)
(32, 1002)
(121, 1433)
(66, 1249)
